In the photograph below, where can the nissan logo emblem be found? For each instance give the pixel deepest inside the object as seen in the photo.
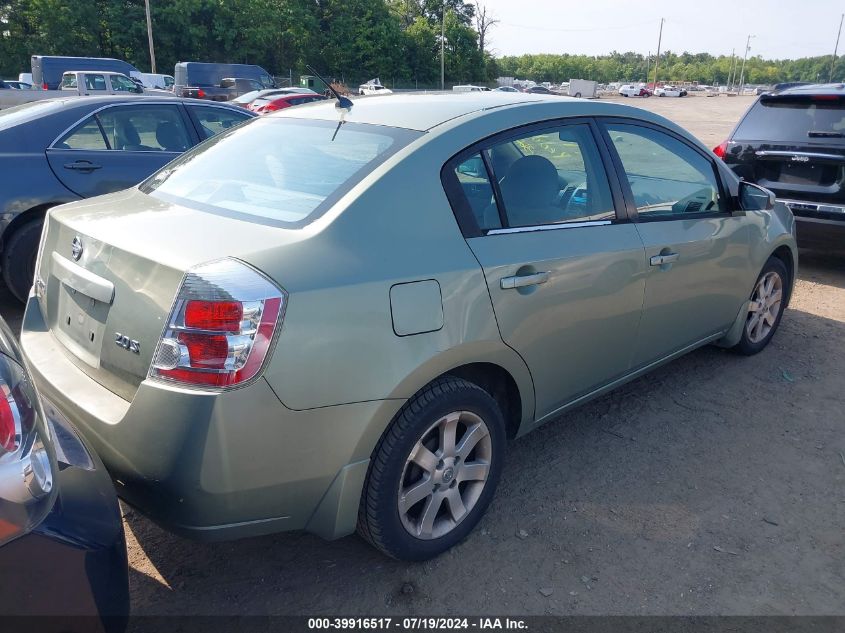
(76, 248)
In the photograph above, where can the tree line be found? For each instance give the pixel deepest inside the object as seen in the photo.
(353, 40)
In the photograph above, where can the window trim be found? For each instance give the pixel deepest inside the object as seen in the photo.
(729, 208)
(460, 205)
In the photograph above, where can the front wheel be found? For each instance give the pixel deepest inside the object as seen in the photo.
(434, 471)
(768, 301)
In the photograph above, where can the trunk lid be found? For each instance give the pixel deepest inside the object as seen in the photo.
(111, 267)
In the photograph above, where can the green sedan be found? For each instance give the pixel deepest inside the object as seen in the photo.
(335, 318)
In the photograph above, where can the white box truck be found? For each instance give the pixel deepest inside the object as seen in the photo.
(583, 88)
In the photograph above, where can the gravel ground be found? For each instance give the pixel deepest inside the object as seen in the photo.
(715, 485)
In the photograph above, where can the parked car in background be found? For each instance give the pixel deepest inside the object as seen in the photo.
(26, 78)
(62, 546)
(14, 84)
(246, 99)
(59, 150)
(538, 90)
(265, 105)
(468, 88)
(47, 70)
(630, 90)
(373, 87)
(793, 142)
(505, 89)
(219, 82)
(496, 299)
(669, 91)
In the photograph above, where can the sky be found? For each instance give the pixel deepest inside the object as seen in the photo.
(781, 29)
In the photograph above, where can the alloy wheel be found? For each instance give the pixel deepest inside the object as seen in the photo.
(444, 475)
(765, 307)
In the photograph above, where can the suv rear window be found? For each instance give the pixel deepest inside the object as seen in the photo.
(283, 170)
(795, 119)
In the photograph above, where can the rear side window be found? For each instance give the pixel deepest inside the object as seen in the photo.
(69, 81)
(87, 136)
(282, 170)
(95, 82)
(795, 120)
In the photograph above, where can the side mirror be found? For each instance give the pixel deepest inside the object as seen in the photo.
(139, 90)
(473, 167)
(755, 198)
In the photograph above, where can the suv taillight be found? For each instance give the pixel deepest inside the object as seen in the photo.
(221, 328)
(721, 150)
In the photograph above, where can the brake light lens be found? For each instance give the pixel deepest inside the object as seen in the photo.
(44, 86)
(721, 150)
(27, 458)
(201, 94)
(221, 328)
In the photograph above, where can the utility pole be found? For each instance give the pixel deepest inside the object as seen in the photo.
(443, 48)
(657, 59)
(150, 37)
(647, 60)
(742, 72)
(731, 69)
(835, 50)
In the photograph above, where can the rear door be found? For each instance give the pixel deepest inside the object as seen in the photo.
(795, 146)
(564, 271)
(119, 146)
(697, 250)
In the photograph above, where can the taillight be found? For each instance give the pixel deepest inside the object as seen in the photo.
(26, 454)
(44, 86)
(721, 150)
(200, 94)
(221, 328)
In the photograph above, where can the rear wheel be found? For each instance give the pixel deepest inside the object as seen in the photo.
(19, 258)
(434, 471)
(768, 301)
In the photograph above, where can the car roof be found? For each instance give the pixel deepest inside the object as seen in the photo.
(814, 89)
(76, 101)
(424, 112)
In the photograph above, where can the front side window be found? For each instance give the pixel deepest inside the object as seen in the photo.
(668, 178)
(286, 171)
(552, 177)
(122, 84)
(215, 120)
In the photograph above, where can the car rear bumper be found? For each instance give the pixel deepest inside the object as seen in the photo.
(820, 233)
(216, 466)
(74, 563)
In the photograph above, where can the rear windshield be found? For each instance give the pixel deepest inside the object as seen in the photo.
(10, 117)
(281, 170)
(795, 120)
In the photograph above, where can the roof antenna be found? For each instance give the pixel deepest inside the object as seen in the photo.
(342, 102)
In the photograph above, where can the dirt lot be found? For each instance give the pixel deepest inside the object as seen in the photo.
(715, 485)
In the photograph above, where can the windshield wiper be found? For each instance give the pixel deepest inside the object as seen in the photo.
(823, 134)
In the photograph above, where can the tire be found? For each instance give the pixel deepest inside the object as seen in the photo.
(19, 258)
(758, 331)
(577, 95)
(403, 532)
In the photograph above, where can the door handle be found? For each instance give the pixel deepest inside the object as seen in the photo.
(520, 281)
(82, 165)
(668, 258)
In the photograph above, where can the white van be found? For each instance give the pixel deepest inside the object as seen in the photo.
(468, 88)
